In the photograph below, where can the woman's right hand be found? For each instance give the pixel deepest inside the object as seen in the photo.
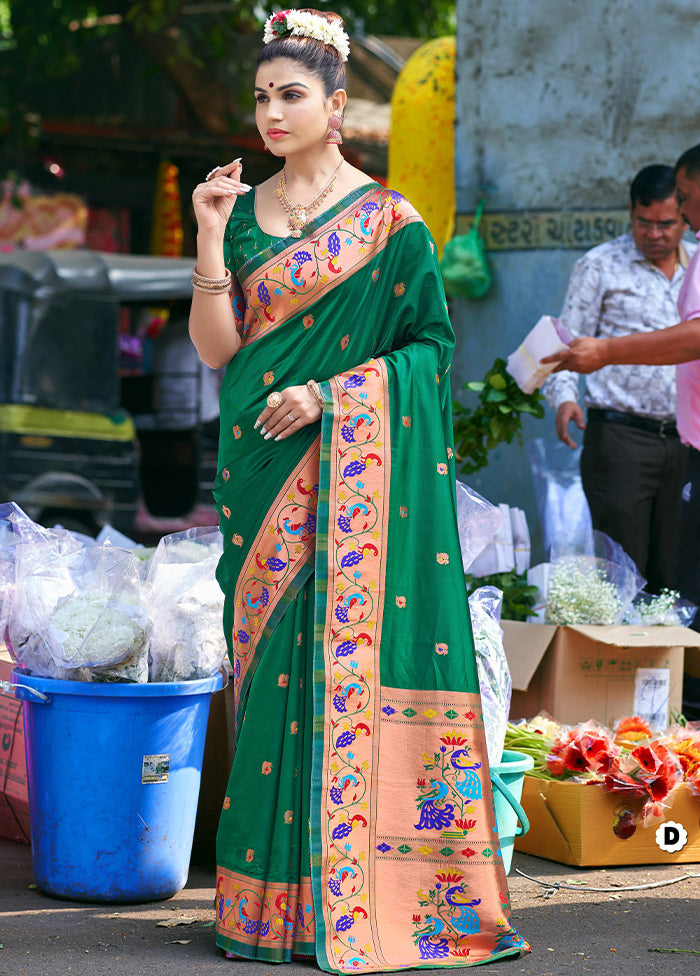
(214, 199)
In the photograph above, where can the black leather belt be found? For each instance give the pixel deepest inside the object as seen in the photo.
(664, 428)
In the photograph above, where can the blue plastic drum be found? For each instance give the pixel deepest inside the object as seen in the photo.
(113, 773)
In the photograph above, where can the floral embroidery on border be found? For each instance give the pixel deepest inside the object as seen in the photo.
(453, 783)
(300, 276)
(284, 542)
(273, 914)
(355, 545)
(445, 929)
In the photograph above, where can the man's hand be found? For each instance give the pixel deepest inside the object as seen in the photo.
(582, 356)
(568, 411)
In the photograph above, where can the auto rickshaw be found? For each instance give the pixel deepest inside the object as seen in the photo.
(75, 372)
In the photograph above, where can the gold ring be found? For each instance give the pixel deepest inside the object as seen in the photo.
(274, 400)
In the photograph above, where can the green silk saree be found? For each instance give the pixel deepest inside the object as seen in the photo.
(358, 826)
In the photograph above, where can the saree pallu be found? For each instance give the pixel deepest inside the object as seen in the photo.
(358, 825)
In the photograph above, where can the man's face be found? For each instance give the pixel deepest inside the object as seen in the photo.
(688, 193)
(657, 229)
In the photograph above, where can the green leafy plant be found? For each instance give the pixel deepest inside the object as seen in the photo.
(497, 419)
(518, 595)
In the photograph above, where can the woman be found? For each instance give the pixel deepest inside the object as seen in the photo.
(344, 835)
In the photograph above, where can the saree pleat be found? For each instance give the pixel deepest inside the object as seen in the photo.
(358, 825)
(264, 910)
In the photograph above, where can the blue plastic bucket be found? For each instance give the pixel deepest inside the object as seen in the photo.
(507, 778)
(113, 773)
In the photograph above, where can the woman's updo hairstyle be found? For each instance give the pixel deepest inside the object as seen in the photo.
(320, 59)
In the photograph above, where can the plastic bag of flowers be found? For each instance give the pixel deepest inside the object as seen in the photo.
(492, 667)
(186, 605)
(684, 742)
(630, 761)
(561, 504)
(73, 612)
(667, 609)
(16, 623)
(594, 587)
(478, 521)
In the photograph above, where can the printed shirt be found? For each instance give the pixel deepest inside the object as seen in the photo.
(688, 374)
(615, 291)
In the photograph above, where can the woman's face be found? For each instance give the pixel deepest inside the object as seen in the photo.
(291, 110)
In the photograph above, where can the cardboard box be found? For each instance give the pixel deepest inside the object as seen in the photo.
(573, 823)
(586, 672)
(14, 801)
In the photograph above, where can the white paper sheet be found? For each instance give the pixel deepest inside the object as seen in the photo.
(544, 339)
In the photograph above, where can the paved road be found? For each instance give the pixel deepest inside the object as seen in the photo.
(572, 932)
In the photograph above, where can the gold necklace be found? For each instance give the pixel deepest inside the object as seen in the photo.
(299, 212)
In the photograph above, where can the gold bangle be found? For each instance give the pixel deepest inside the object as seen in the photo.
(212, 286)
(315, 390)
(212, 291)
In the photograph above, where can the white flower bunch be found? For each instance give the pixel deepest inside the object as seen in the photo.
(302, 24)
(92, 630)
(658, 609)
(580, 593)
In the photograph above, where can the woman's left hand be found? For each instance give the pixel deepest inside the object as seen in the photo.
(299, 407)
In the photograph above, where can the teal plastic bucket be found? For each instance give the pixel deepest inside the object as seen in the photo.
(507, 778)
(113, 772)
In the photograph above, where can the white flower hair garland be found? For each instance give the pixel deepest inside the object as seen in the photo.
(301, 24)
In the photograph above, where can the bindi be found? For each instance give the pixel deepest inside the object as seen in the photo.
(272, 84)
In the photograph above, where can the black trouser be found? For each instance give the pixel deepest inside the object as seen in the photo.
(632, 479)
(688, 565)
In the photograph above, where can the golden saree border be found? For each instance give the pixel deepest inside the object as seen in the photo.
(360, 452)
(285, 541)
(439, 889)
(275, 918)
(408, 870)
(426, 886)
(304, 272)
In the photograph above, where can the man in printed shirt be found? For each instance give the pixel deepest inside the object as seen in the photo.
(633, 461)
(681, 345)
